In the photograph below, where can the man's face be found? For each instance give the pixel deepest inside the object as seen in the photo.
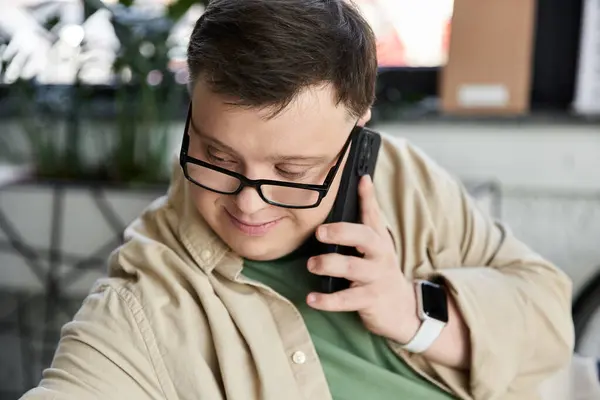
(299, 145)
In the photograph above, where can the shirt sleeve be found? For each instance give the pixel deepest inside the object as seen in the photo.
(103, 353)
(516, 304)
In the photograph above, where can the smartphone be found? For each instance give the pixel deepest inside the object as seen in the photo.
(362, 158)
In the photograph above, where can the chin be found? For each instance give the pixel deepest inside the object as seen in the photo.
(262, 249)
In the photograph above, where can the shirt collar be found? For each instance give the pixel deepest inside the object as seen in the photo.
(207, 250)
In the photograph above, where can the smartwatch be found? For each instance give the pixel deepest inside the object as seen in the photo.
(432, 308)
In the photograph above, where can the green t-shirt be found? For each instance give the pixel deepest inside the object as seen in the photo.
(358, 365)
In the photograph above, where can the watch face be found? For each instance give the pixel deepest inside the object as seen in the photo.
(435, 302)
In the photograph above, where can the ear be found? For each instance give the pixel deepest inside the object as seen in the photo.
(365, 118)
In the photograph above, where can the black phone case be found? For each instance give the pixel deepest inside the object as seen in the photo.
(362, 159)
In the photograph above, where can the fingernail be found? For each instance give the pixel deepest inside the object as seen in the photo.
(311, 264)
(322, 232)
(363, 184)
(311, 298)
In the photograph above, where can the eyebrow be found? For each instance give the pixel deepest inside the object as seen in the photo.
(211, 139)
(275, 158)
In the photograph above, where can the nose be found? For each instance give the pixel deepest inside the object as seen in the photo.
(249, 201)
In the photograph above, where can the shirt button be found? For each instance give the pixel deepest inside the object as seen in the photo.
(299, 357)
(205, 255)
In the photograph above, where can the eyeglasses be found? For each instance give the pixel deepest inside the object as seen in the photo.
(277, 193)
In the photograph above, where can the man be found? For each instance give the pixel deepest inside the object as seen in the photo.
(215, 294)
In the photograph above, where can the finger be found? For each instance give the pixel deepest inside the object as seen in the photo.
(353, 299)
(361, 236)
(354, 269)
(369, 206)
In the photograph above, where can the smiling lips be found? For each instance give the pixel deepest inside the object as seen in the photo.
(253, 229)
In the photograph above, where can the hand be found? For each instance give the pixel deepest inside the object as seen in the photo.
(384, 299)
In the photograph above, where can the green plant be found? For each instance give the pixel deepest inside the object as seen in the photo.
(49, 144)
(57, 143)
(143, 134)
(147, 98)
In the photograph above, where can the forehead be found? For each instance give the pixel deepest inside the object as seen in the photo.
(311, 120)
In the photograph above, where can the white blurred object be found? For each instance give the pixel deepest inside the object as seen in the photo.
(72, 35)
(181, 32)
(126, 74)
(150, 8)
(421, 26)
(28, 42)
(32, 50)
(154, 78)
(62, 64)
(26, 55)
(147, 49)
(587, 91)
(15, 17)
(12, 173)
(101, 48)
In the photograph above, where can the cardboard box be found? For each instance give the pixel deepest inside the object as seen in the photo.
(490, 58)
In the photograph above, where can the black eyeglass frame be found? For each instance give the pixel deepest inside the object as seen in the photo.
(256, 184)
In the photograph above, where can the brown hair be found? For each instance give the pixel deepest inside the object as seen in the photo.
(265, 52)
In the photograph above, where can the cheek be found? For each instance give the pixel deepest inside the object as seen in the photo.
(205, 201)
(319, 214)
(310, 219)
(333, 190)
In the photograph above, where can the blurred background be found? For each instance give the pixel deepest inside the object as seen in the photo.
(504, 94)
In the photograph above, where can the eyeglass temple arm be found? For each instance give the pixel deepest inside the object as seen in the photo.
(186, 137)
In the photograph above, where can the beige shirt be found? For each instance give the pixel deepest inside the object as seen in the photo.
(175, 319)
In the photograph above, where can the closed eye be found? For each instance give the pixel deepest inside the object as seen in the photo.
(297, 172)
(291, 175)
(218, 157)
